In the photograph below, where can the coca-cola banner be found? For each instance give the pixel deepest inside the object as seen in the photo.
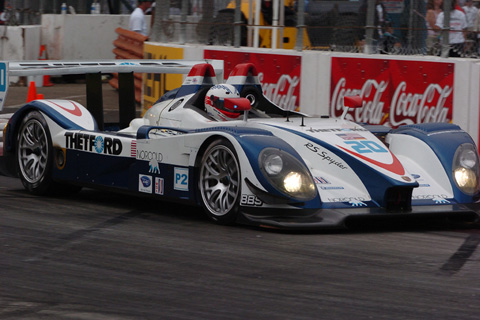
(278, 74)
(394, 92)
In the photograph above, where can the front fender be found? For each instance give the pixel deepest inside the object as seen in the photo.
(253, 145)
(443, 139)
(252, 141)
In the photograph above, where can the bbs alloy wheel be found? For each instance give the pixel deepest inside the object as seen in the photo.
(219, 182)
(34, 153)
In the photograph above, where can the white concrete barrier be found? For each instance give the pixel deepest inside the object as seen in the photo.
(397, 89)
(81, 36)
(20, 42)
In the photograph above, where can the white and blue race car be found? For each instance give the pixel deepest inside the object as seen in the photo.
(270, 167)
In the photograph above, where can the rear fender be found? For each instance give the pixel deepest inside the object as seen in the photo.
(67, 114)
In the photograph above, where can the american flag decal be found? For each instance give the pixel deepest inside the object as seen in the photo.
(159, 186)
(133, 150)
(351, 136)
(320, 180)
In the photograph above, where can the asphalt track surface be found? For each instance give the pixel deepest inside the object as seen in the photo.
(99, 255)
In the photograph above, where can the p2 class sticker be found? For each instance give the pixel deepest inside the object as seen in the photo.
(180, 177)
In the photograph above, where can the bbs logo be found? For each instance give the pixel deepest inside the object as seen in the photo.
(250, 200)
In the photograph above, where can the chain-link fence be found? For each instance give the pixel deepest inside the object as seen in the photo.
(374, 26)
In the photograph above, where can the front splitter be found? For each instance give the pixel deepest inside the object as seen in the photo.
(333, 219)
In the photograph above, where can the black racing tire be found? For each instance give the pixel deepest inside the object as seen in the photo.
(219, 182)
(35, 154)
(35, 157)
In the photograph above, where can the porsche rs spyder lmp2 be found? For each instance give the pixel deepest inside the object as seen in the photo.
(268, 167)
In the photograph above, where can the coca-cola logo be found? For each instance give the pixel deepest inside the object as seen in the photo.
(405, 107)
(282, 93)
(410, 108)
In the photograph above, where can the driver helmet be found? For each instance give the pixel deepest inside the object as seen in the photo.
(223, 102)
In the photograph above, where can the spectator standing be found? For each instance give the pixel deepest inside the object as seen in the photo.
(458, 26)
(137, 18)
(380, 18)
(388, 43)
(476, 30)
(434, 7)
(471, 15)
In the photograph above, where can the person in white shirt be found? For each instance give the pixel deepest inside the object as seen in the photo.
(471, 15)
(137, 18)
(458, 26)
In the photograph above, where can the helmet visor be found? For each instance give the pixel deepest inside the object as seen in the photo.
(233, 104)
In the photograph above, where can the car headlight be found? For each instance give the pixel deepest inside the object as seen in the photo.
(287, 174)
(465, 168)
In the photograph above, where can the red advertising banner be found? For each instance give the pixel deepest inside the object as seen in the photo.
(394, 92)
(278, 74)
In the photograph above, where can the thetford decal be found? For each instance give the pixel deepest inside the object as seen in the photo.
(93, 143)
(144, 183)
(324, 156)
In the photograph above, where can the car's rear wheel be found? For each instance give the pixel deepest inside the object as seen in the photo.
(34, 153)
(220, 182)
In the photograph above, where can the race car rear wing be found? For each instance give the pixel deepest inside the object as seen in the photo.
(94, 70)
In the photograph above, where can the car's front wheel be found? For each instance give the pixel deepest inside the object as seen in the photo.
(220, 182)
(34, 153)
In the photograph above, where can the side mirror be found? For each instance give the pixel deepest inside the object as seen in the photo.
(351, 102)
(237, 104)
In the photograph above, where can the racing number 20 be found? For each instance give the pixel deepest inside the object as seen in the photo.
(366, 146)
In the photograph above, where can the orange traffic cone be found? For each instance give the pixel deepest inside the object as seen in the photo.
(43, 56)
(47, 82)
(32, 92)
(40, 96)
